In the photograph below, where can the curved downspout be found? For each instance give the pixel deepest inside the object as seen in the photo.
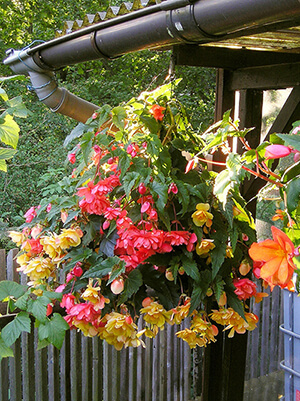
(60, 100)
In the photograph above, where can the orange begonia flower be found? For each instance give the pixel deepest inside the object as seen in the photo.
(277, 257)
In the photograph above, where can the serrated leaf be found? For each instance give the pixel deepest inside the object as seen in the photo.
(11, 332)
(131, 286)
(159, 192)
(102, 268)
(129, 181)
(117, 270)
(11, 289)
(54, 330)
(9, 131)
(38, 307)
(190, 268)
(5, 351)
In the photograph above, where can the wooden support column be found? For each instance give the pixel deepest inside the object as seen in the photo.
(250, 115)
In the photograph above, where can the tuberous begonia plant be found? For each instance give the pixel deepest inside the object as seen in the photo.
(144, 228)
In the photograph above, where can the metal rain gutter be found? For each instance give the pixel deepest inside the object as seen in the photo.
(167, 23)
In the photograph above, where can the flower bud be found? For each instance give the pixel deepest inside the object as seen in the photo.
(117, 286)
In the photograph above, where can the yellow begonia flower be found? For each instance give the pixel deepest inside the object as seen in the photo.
(17, 237)
(51, 245)
(204, 247)
(38, 268)
(233, 321)
(156, 315)
(202, 216)
(70, 237)
(119, 330)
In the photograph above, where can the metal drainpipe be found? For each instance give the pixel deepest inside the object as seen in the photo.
(60, 100)
(168, 23)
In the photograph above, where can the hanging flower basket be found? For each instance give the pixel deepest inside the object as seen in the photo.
(142, 227)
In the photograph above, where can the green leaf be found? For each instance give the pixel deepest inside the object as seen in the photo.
(9, 131)
(5, 351)
(150, 123)
(222, 185)
(11, 289)
(131, 286)
(233, 300)
(102, 268)
(119, 116)
(38, 307)
(129, 181)
(3, 165)
(11, 332)
(291, 140)
(6, 153)
(3, 94)
(77, 132)
(117, 270)
(159, 192)
(293, 194)
(124, 163)
(190, 267)
(54, 330)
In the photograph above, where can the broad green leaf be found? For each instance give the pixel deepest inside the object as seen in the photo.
(291, 140)
(3, 94)
(11, 332)
(293, 194)
(190, 267)
(6, 153)
(107, 245)
(118, 116)
(3, 165)
(5, 351)
(117, 270)
(150, 123)
(102, 268)
(11, 289)
(159, 192)
(222, 185)
(38, 307)
(291, 172)
(53, 330)
(9, 131)
(233, 300)
(131, 286)
(129, 181)
(77, 132)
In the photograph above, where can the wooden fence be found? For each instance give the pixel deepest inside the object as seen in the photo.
(87, 369)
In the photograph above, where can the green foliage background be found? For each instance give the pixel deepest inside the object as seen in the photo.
(41, 158)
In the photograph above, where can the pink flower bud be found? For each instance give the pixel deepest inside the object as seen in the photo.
(117, 286)
(49, 207)
(276, 151)
(72, 158)
(142, 188)
(30, 215)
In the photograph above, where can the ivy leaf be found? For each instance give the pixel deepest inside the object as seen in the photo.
(54, 330)
(11, 289)
(131, 286)
(9, 131)
(5, 351)
(11, 332)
